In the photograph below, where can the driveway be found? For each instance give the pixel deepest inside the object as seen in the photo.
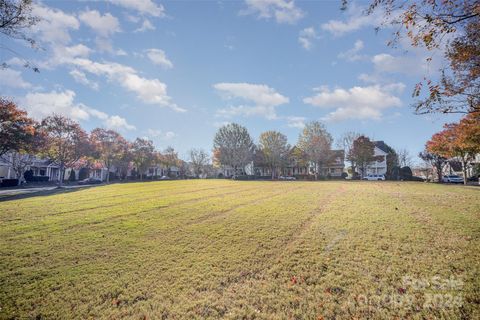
(17, 193)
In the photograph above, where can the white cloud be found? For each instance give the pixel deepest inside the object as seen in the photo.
(104, 44)
(155, 133)
(414, 63)
(353, 53)
(12, 78)
(366, 103)
(146, 25)
(118, 123)
(284, 11)
(146, 7)
(64, 54)
(306, 37)
(406, 64)
(264, 98)
(55, 24)
(150, 91)
(356, 19)
(41, 105)
(296, 122)
(80, 77)
(121, 52)
(218, 124)
(159, 57)
(104, 25)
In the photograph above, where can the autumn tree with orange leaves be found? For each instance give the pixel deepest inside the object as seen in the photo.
(109, 147)
(65, 142)
(448, 27)
(17, 130)
(19, 137)
(458, 140)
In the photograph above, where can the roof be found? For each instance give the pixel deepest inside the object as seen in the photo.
(381, 145)
(339, 153)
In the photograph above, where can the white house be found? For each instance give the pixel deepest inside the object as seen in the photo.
(378, 167)
(40, 168)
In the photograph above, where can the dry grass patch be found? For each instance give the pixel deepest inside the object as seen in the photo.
(233, 249)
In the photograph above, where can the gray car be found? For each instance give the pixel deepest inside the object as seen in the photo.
(453, 178)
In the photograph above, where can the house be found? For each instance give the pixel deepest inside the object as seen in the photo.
(378, 166)
(228, 171)
(39, 167)
(454, 166)
(333, 169)
(157, 171)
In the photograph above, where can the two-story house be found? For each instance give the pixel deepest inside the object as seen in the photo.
(378, 166)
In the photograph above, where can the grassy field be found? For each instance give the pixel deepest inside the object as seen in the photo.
(233, 249)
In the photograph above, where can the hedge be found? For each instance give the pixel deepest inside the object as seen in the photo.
(9, 183)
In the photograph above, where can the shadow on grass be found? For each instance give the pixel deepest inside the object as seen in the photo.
(24, 194)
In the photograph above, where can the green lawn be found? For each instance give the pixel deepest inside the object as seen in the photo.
(233, 249)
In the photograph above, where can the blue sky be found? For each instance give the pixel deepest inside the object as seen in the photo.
(174, 71)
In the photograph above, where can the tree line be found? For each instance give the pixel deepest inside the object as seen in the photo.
(234, 147)
(67, 144)
(64, 142)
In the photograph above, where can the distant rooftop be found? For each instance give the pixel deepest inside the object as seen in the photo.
(381, 145)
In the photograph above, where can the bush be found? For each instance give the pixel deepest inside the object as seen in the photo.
(113, 176)
(9, 183)
(406, 173)
(72, 177)
(28, 175)
(414, 178)
(243, 177)
(83, 173)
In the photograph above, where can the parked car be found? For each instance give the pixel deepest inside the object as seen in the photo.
(287, 178)
(165, 178)
(475, 178)
(90, 181)
(453, 178)
(374, 177)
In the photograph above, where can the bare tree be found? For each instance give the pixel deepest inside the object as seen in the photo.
(404, 158)
(233, 146)
(316, 144)
(199, 159)
(275, 149)
(345, 142)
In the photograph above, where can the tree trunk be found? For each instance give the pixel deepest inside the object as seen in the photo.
(273, 173)
(464, 170)
(353, 168)
(108, 175)
(62, 173)
(438, 166)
